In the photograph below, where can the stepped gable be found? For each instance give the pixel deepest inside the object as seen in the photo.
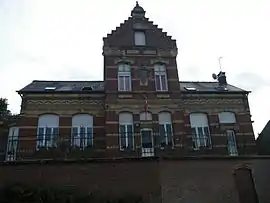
(123, 35)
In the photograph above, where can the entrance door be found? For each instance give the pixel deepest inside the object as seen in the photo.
(232, 146)
(12, 144)
(147, 142)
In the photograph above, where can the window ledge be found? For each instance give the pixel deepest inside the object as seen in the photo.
(160, 95)
(125, 95)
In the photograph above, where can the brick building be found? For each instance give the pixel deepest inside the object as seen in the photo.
(140, 109)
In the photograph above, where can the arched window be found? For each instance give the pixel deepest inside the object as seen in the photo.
(124, 77)
(12, 143)
(200, 130)
(48, 130)
(226, 117)
(82, 131)
(126, 131)
(145, 116)
(165, 129)
(161, 78)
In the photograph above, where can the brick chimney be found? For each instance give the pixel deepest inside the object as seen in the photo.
(222, 79)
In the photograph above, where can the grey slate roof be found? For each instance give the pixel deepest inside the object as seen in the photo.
(39, 86)
(213, 87)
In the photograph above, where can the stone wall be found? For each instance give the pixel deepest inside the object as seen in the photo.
(201, 180)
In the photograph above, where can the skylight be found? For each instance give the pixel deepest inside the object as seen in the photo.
(50, 88)
(190, 88)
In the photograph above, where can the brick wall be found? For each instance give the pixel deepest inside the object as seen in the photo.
(168, 181)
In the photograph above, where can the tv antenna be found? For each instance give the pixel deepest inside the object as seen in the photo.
(219, 61)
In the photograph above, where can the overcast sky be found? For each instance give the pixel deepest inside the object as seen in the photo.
(62, 40)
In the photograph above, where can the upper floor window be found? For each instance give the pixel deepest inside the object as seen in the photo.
(165, 129)
(126, 131)
(124, 77)
(226, 117)
(139, 38)
(82, 131)
(161, 78)
(48, 130)
(200, 130)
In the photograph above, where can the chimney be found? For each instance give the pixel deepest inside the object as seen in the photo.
(222, 79)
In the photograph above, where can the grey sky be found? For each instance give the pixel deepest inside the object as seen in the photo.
(62, 39)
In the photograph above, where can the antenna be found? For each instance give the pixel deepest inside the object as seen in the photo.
(219, 61)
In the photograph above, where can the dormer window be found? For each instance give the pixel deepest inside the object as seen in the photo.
(124, 77)
(139, 38)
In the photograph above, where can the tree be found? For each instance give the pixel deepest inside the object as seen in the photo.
(4, 112)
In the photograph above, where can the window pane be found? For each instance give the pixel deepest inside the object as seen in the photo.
(89, 136)
(121, 83)
(196, 141)
(75, 137)
(122, 136)
(163, 82)
(162, 135)
(207, 136)
(169, 134)
(82, 136)
(130, 136)
(48, 137)
(139, 38)
(127, 83)
(55, 135)
(157, 80)
(40, 136)
(147, 139)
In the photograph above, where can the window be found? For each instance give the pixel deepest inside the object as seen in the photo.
(126, 131)
(48, 131)
(227, 117)
(161, 78)
(232, 146)
(12, 144)
(82, 131)
(139, 38)
(165, 129)
(200, 130)
(124, 77)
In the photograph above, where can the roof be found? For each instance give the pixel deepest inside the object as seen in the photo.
(41, 86)
(208, 87)
(38, 86)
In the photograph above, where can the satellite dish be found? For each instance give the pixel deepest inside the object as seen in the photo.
(214, 76)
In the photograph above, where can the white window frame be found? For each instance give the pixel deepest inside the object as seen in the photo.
(160, 71)
(165, 121)
(47, 131)
(226, 117)
(124, 72)
(82, 122)
(126, 123)
(201, 135)
(139, 38)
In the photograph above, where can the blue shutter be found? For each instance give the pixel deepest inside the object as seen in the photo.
(122, 135)
(169, 134)
(89, 136)
(130, 136)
